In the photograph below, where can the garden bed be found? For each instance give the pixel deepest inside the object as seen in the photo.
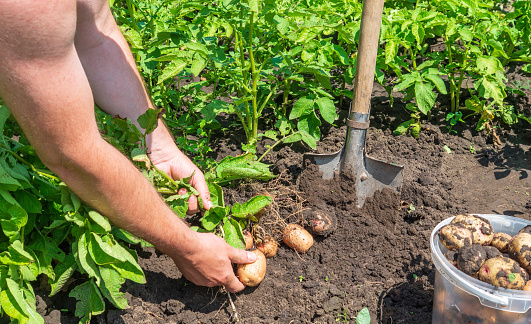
(378, 257)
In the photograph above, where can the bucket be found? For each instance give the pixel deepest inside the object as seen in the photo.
(459, 298)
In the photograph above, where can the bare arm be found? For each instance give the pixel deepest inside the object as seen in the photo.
(118, 88)
(44, 85)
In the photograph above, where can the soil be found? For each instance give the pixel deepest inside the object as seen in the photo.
(377, 257)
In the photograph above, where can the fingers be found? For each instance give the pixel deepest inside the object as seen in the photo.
(235, 285)
(241, 256)
(199, 183)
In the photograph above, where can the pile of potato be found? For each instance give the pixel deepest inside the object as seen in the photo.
(295, 236)
(494, 258)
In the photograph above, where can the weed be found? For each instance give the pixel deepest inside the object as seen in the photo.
(301, 278)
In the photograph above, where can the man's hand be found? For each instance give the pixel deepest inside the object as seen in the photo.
(209, 264)
(178, 166)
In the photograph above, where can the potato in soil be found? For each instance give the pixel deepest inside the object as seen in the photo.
(520, 249)
(320, 222)
(482, 231)
(268, 246)
(471, 258)
(252, 274)
(297, 238)
(492, 252)
(502, 272)
(455, 236)
(501, 241)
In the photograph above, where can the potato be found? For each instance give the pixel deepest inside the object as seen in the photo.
(253, 273)
(526, 229)
(502, 272)
(249, 241)
(268, 246)
(501, 241)
(482, 231)
(527, 286)
(320, 222)
(492, 252)
(451, 256)
(471, 258)
(454, 236)
(297, 238)
(520, 249)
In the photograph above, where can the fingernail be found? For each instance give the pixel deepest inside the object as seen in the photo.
(210, 204)
(251, 256)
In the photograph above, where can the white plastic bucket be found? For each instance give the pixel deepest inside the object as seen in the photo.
(459, 298)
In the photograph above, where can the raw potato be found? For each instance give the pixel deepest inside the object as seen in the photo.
(501, 241)
(320, 222)
(482, 231)
(297, 238)
(492, 252)
(249, 241)
(268, 246)
(527, 286)
(253, 273)
(520, 249)
(471, 258)
(451, 256)
(454, 236)
(502, 272)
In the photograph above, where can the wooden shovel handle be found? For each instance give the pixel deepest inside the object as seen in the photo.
(371, 20)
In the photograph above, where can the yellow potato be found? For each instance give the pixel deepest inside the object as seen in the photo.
(268, 246)
(252, 274)
(297, 238)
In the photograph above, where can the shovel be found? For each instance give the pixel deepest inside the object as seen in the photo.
(369, 174)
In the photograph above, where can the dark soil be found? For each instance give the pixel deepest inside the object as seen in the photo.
(378, 257)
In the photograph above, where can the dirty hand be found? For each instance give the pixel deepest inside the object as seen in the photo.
(210, 262)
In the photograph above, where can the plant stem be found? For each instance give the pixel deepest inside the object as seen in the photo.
(22, 160)
(255, 74)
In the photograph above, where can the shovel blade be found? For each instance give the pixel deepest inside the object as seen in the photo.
(376, 175)
(328, 163)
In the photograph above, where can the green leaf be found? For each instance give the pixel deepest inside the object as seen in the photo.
(391, 50)
(424, 96)
(110, 285)
(252, 207)
(526, 68)
(213, 217)
(83, 257)
(233, 234)
(309, 139)
(90, 302)
(100, 220)
(327, 109)
(28, 201)
(240, 167)
(171, 70)
(214, 108)
(489, 64)
(13, 221)
(295, 137)
(255, 5)
(198, 65)
(7, 181)
(130, 269)
(364, 317)
(403, 128)
(63, 272)
(323, 80)
(101, 252)
(133, 38)
(303, 106)
(438, 82)
(12, 301)
(407, 81)
(447, 149)
(149, 119)
(216, 194)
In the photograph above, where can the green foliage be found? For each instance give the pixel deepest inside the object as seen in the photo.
(364, 317)
(47, 231)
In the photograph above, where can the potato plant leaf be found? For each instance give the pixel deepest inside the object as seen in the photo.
(89, 301)
(63, 271)
(172, 69)
(364, 317)
(149, 119)
(233, 234)
(110, 285)
(101, 252)
(327, 109)
(213, 217)
(12, 301)
(130, 269)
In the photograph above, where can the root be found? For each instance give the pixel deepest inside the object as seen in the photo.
(235, 312)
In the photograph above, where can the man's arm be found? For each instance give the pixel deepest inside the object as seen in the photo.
(118, 89)
(44, 85)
